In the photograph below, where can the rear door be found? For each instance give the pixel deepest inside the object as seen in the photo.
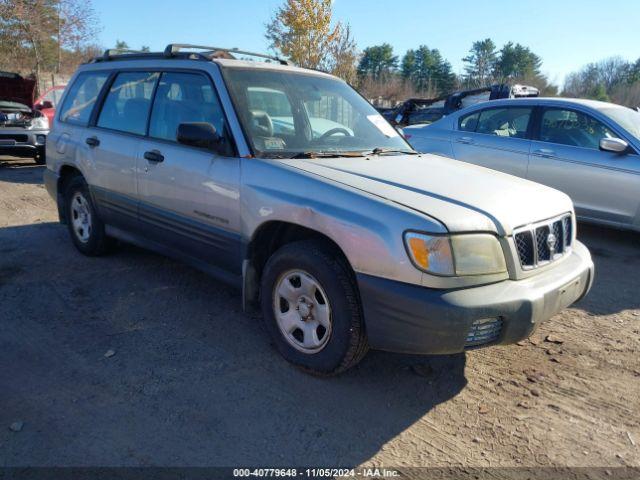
(113, 142)
(189, 197)
(565, 155)
(495, 137)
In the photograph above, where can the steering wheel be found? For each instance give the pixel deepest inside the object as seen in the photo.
(334, 131)
(262, 123)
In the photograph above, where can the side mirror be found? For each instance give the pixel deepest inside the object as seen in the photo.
(201, 135)
(615, 145)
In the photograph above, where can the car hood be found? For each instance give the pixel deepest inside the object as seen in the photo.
(16, 89)
(462, 196)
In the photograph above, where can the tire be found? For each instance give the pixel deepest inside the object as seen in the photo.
(306, 286)
(88, 236)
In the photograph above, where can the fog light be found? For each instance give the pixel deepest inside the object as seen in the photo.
(41, 139)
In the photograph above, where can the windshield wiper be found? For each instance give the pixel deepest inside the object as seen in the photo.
(381, 151)
(312, 154)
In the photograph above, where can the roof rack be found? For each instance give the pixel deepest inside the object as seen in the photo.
(173, 48)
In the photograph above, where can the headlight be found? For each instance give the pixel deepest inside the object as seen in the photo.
(40, 123)
(466, 254)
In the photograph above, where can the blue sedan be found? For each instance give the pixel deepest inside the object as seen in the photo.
(587, 149)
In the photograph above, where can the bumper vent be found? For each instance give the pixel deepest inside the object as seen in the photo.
(483, 331)
(544, 242)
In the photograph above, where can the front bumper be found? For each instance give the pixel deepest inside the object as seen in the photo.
(20, 142)
(406, 318)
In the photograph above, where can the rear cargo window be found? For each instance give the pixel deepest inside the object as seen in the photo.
(82, 97)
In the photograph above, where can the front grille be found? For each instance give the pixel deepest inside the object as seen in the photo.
(483, 332)
(544, 242)
(15, 136)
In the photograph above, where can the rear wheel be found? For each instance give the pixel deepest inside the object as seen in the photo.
(311, 308)
(84, 224)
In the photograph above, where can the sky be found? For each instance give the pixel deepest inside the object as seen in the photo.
(567, 34)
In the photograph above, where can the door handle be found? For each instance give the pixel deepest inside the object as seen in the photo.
(92, 142)
(153, 156)
(466, 140)
(544, 152)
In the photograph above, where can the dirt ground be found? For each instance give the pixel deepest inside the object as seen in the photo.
(194, 381)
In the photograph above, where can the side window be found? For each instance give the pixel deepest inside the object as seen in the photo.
(423, 116)
(468, 123)
(504, 122)
(184, 98)
(82, 97)
(126, 107)
(568, 127)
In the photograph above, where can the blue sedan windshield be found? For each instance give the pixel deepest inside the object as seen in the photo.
(625, 117)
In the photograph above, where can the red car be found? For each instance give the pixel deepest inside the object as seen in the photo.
(48, 101)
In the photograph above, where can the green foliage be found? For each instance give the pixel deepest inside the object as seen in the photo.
(377, 61)
(516, 61)
(427, 70)
(121, 45)
(480, 64)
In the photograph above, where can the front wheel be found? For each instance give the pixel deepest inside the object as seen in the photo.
(311, 308)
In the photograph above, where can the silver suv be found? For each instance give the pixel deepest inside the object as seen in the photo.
(286, 183)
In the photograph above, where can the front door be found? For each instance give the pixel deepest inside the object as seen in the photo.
(189, 197)
(495, 138)
(566, 156)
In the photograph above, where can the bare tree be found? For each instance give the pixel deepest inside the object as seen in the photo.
(77, 26)
(30, 24)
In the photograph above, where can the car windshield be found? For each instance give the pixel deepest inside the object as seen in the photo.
(626, 118)
(289, 114)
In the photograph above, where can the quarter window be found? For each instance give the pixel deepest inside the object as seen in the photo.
(127, 105)
(568, 127)
(184, 98)
(504, 122)
(81, 98)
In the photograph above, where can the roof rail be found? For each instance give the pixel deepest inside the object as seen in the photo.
(174, 48)
(118, 51)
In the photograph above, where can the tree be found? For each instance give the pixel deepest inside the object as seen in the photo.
(481, 62)
(76, 26)
(343, 56)
(516, 61)
(301, 30)
(377, 61)
(596, 80)
(121, 45)
(428, 71)
(145, 48)
(29, 26)
(37, 35)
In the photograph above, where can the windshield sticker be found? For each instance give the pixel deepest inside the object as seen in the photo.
(383, 125)
(273, 143)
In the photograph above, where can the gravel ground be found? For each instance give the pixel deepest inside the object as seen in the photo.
(134, 359)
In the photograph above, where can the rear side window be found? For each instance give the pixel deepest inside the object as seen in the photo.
(184, 98)
(504, 122)
(468, 123)
(82, 97)
(126, 107)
